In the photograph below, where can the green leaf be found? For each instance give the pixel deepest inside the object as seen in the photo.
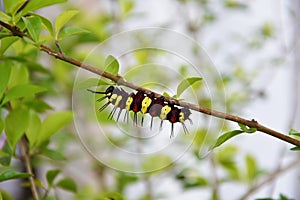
(53, 123)
(10, 174)
(294, 132)
(34, 126)
(71, 31)
(19, 75)
(296, 148)
(51, 175)
(53, 154)
(6, 154)
(46, 23)
(111, 65)
(6, 43)
(186, 83)
(267, 30)
(10, 4)
(4, 17)
(247, 129)
(157, 163)
(67, 184)
(16, 124)
(5, 71)
(251, 167)
(165, 94)
(62, 19)
(21, 91)
(17, 6)
(34, 26)
(226, 136)
(114, 196)
(37, 4)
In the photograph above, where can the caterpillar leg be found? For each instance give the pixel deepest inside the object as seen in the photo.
(161, 123)
(119, 113)
(172, 130)
(112, 112)
(151, 123)
(103, 107)
(142, 121)
(101, 99)
(186, 131)
(135, 118)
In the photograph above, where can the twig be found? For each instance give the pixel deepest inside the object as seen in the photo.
(121, 81)
(25, 155)
(271, 177)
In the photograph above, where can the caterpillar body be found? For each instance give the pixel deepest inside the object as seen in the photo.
(144, 103)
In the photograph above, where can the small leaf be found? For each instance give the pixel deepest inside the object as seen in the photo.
(53, 123)
(19, 91)
(6, 154)
(251, 167)
(17, 6)
(4, 17)
(296, 148)
(111, 65)
(53, 154)
(294, 132)
(16, 124)
(186, 83)
(67, 184)
(46, 23)
(37, 4)
(5, 71)
(34, 126)
(267, 30)
(34, 26)
(165, 94)
(6, 43)
(62, 19)
(71, 31)
(11, 4)
(226, 136)
(51, 175)
(247, 129)
(10, 174)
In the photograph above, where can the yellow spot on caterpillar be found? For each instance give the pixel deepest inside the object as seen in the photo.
(108, 94)
(119, 98)
(181, 117)
(113, 97)
(145, 104)
(128, 103)
(164, 112)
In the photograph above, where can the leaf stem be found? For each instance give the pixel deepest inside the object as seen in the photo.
(26, 159)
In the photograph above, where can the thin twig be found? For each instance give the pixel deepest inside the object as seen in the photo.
(270, 178)
(25, 155)
(121, 81)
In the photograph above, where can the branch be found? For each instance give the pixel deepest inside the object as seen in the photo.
(270, 178)
(25, 155)
(121, 81)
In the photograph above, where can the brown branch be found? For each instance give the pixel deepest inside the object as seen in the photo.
(121, 81)
(26, 159)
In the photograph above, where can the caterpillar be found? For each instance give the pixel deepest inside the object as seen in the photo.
(144, 103)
